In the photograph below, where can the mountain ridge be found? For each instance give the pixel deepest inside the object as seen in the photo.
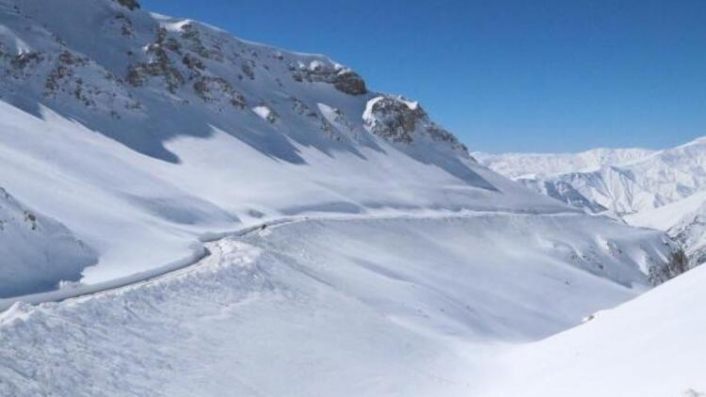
(181, 129)
(662, 189)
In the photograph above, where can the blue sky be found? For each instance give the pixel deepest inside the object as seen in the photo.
(505, 75)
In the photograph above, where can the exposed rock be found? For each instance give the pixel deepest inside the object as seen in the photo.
(194, 42)
(392, 118)
(343, 79)
(400, 121)
(130, 4)
(124, 24)
(349, 82)
(248, 67)
(302, 108)
(678, 263)
(159, 65)
(25, 60)
(213, 89)
(192, 62)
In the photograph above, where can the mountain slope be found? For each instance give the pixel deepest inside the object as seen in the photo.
(625, 181)
(528, 165)
(36, 252)
(651, 346)
(179, 129)
(662, 189)
(387, 306)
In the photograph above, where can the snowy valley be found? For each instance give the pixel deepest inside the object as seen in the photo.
(185, 213)
(659, 189)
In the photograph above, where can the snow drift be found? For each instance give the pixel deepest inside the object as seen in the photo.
(377, 307)
(36, 252)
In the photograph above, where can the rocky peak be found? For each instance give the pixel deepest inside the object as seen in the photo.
(402, 121)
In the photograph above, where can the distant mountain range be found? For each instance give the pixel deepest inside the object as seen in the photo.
(663, 189)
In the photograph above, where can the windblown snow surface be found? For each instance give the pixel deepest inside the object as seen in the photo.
(36, 251)
(396, 306)
(393, 264)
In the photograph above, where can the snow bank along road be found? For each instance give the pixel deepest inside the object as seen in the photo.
(392, 306)
(199, 253)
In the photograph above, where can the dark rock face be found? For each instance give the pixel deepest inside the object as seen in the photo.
(678, 263)
(350, 82)
(130, 4)
(393, 119)
(159, 65)
(400, 121)
(343, 79)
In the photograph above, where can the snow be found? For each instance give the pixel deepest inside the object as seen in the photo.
(668, 216)
(264, 112)
(626, 181)
(36, 252)
(139, 172)
(651, 346)
(537, 165)
(219, 217)
(662, 189)
(385, 306)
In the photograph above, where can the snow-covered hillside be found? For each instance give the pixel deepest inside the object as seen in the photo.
(685, 222)
(526, 165)
(36, 252)
(151, 131)
(625, 181)
(264, 223)
(662, 189)
(651, 346)
(350, 307)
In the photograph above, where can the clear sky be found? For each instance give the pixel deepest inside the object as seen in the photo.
(505, 75)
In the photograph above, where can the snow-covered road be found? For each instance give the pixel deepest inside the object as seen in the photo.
(200, 251)
(377, 307)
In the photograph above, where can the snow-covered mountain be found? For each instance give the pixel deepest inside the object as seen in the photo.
(151, 131)
(623, 180)
(526, 165)
(661, 189)
(244, 219)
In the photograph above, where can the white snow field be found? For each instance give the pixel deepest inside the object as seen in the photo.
(376, 307)
(651, 346)
(218, 217)
(36, 251)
